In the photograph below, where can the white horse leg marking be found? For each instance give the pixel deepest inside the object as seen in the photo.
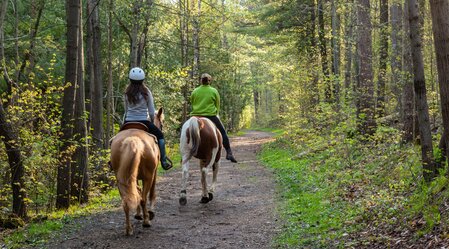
(214, 176)
(204, 170)
(185, 176)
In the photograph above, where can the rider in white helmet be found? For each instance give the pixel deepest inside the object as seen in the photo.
(139, 107)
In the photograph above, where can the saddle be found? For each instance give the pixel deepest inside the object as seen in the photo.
(134, 125)
(138, 126)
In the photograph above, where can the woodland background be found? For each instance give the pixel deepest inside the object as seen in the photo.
(359, 89)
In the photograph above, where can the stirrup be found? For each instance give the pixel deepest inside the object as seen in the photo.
(168, 165)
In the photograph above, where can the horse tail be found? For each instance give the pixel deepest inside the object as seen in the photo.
(132, 149)
(195, 138)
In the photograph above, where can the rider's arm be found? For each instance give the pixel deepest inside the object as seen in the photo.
(217, 102)
(150, 103)
(126, 108)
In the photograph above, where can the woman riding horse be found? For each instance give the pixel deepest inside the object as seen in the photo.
(205, 102)
(135, 156)
(139, 107)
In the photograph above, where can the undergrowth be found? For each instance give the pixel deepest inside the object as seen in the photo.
(338, 192)
(37, 233)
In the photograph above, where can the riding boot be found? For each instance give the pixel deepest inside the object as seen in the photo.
(229, 155)
(165, 161)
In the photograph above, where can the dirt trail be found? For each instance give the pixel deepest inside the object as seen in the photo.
(241, 215)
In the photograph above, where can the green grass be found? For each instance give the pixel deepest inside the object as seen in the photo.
(333, 187)
(36, 234)
(308, 200)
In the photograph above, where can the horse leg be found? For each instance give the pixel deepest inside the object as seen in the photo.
(138, 215)
(215, 167)
(152, 197)
(185, 176)
(204, 169)
(146, 189)
(129, 228)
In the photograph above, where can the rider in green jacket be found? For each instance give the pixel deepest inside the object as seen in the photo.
(205, 101)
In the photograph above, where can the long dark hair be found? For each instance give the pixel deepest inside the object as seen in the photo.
(134, 88)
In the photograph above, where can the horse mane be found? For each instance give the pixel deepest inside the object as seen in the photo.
(194, 134)
(132, 149)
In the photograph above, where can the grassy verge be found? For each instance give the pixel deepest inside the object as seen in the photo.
(337, 192)
(38, 233)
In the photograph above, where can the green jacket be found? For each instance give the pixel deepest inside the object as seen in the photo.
(205, 101)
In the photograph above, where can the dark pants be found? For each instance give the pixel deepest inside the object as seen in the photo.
(222, 130)
(151, 128)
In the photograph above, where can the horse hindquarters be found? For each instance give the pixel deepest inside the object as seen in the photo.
(129, 160)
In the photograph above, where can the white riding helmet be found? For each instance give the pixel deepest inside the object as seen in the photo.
(136, 73)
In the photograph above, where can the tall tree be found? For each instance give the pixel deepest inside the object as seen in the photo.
(365, 89)
(10, 137)
(79, 177)
(110, 88)
(138, 33)
(383, 57)
(323, 51)
(196, 43)
(68, 103)
(429, 169)
(184, 34)
(349, 46)
(336, 51)
(408, 96)
(96, 79)
(440, 26)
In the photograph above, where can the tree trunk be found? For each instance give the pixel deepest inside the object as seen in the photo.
(440, 26)
(315, 93)
(68, 102)
(429, 169)
(15, 160)
(349, 48)
(365, 98)
(323, 52)
(97, 88)
(16, 34)
(110, 101)
(196, 44)
(396, 52)
(183, 27)
(79, 178)
(383, 56)
(408, 95)
(10, 138)
(336, 51)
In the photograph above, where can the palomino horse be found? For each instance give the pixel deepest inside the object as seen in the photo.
(135, 156)
(201, 139)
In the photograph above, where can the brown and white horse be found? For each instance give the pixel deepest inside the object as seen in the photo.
(201, 139)
(135, 156)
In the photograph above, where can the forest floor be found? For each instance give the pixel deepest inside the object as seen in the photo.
(241, 215)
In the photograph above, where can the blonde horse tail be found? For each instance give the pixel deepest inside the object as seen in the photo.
(195, 138)
(132, 149)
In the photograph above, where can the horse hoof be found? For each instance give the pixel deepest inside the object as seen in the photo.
(129, 232)
(204, 199)
(146, 224)
(151, 214)
(138, 217)
(211, 196)
(183, 201)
